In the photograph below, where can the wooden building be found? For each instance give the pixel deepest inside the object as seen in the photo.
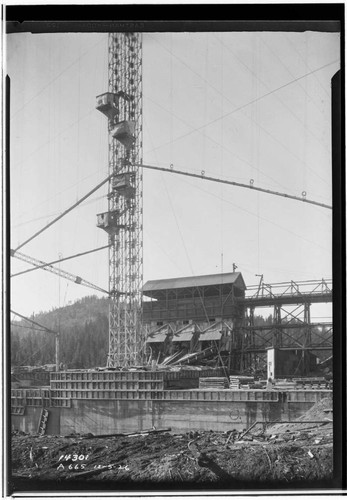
(187, 314)
(200, 299)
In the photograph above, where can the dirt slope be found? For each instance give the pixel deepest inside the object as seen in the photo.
(282, 454)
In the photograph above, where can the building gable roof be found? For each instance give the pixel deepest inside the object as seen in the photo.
(194, 282)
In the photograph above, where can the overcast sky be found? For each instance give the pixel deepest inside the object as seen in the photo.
(239, 106)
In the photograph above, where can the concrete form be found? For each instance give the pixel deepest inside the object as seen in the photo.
(118, 401)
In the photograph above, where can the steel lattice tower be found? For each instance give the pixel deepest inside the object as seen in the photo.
(123, 221)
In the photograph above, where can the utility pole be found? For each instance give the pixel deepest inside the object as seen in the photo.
(57, 335)
(57, 350)
(122, 105)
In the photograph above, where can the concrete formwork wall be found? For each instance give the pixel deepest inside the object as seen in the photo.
(106, 417)
(217, 416)
(131, 416)
(29, 422)
(117, 416)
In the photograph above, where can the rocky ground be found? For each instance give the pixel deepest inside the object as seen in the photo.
(283, 454)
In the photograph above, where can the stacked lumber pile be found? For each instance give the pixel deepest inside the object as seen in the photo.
(284, 385)
(213, 383)
(309, 384)
(317, 383)
(241, 382)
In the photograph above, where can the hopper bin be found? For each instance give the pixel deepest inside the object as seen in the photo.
(124, 132)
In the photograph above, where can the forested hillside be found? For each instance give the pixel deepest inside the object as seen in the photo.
(83, 339)
(84, 336)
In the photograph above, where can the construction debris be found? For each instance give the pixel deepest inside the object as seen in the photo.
(157, 458)
(300, 451)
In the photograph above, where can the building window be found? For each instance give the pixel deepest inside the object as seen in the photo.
(160, 323)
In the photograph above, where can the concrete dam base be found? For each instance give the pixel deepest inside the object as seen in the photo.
(110, 402)
(109, 417)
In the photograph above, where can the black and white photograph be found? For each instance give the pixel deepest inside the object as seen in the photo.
(172, 231)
